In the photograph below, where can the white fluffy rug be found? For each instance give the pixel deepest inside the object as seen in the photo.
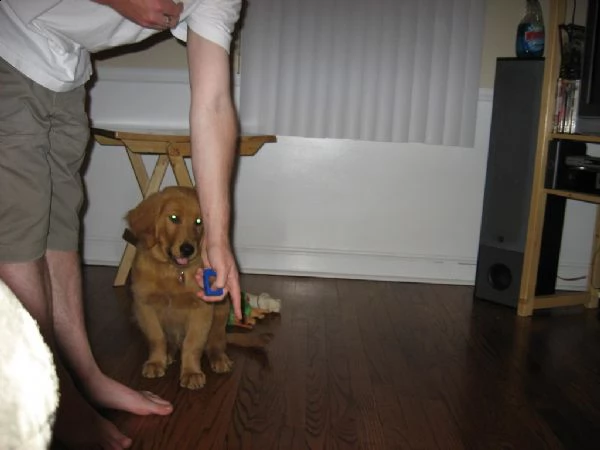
(28, 381)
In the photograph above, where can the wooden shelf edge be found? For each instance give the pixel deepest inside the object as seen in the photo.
(249, 145)
(104, 140)
(561, 300)
(592, 138)
(581, 196)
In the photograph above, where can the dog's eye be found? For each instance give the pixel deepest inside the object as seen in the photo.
(173, 218)
(198, 221)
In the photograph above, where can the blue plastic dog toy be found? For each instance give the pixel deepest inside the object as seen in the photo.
(207, 289)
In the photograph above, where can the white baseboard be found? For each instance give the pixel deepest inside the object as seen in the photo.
(330, 263)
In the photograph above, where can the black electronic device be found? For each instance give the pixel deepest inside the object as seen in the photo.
(570, 168)
(588, 114)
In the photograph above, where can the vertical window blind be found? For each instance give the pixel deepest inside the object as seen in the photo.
(378, 70)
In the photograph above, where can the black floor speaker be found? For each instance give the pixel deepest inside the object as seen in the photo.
(508, 185)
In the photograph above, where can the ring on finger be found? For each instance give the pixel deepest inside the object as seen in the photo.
(167, 20)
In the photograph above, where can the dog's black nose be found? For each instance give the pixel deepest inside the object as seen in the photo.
(186, 249)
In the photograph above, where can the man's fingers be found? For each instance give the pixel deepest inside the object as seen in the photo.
(172, 9)
(236, 299)
(232, 288)
(210, 298)
(166, 15)
(219, 281)
(170, 13)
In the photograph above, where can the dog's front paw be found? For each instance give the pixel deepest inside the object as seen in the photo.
(221, 364)
(192, 380)
(153, 369)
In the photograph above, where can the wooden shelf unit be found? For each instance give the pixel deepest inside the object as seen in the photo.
(528, 301)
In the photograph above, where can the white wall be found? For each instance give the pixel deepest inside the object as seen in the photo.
(318, 206)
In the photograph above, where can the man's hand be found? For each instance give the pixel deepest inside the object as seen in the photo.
(157, 14)
(220, 258)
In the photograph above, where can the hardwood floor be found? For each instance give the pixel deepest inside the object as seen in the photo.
(370, 365)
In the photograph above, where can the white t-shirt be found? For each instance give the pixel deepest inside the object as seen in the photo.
(50, 41)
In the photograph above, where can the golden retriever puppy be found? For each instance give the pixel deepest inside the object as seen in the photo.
(168, 228)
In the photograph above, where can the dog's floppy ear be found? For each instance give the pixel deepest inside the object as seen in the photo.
(142, 219)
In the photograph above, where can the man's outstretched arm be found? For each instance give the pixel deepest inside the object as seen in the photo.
(214, 133)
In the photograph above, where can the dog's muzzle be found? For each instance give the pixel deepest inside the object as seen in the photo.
(185, 251)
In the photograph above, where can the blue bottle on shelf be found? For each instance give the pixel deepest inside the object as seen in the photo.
(530, 32)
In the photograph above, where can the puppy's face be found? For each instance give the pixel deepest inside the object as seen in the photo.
(178, 232)
(169, 225)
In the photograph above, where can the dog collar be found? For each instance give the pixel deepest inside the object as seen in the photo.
(181, 277)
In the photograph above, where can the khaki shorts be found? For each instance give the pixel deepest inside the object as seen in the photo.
(43, 140)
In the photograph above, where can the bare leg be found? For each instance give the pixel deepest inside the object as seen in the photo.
(71, 336)
(77, 423)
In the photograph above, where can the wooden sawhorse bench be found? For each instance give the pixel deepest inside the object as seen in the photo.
(170, 147)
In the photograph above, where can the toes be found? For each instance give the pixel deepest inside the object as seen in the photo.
(156, 405)
(125, 442)
(195, 380)
(222, 364)
(155, 398)
(153, 369)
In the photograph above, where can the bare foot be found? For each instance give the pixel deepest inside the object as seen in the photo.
(108, 393)
(79, 426)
